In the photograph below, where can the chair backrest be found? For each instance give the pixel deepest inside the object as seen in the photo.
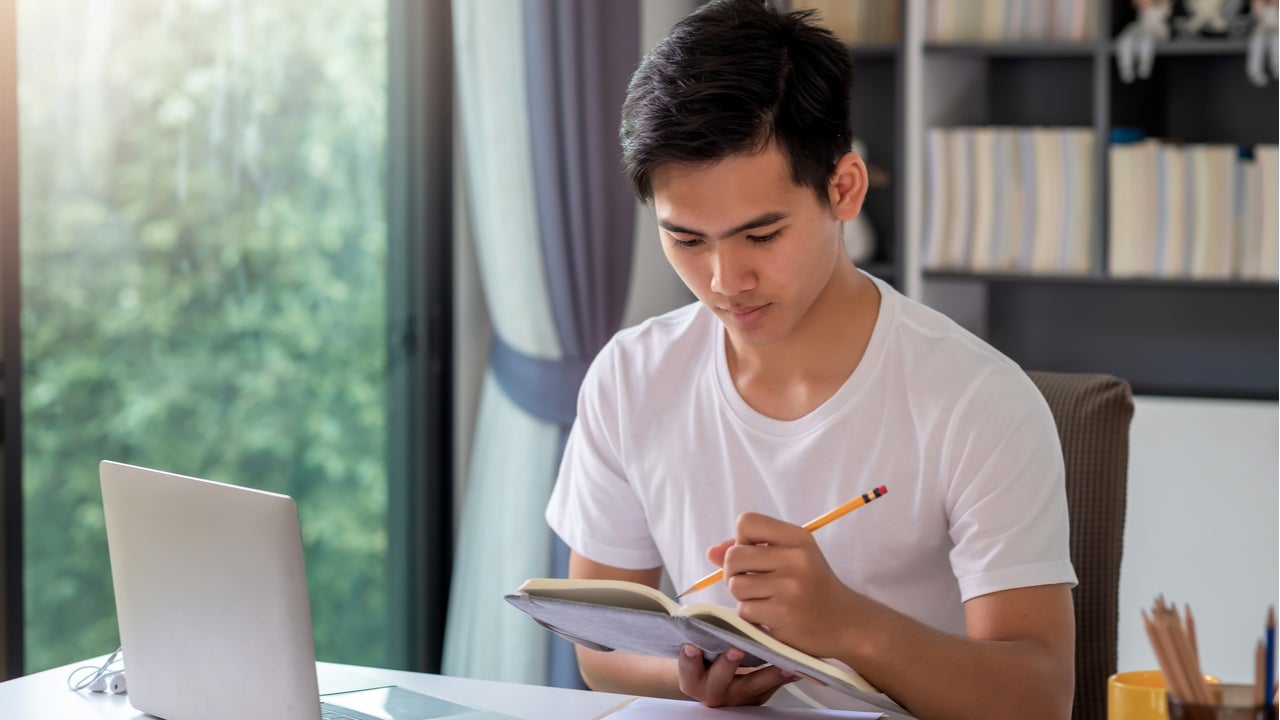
(1092, 413)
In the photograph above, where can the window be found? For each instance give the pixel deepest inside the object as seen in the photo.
(204, 244)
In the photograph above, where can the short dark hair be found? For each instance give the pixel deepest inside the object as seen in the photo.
(729, 79)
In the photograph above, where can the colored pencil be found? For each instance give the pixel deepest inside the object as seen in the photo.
(820, 521)
(1271, 656)
(1173, 646)
(1190, 622)
(1259, 674)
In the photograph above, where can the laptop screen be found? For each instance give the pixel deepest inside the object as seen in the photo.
(211, 596)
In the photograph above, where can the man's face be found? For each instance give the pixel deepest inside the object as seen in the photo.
(753, 246)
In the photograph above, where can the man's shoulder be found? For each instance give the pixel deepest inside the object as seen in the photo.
(936, 343)
(646, 364)
(657, 347)
(685, 329)
(943, 362)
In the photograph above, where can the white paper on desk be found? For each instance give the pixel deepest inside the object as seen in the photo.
(655, 708)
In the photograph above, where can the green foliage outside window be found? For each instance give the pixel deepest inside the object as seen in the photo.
(204, 239)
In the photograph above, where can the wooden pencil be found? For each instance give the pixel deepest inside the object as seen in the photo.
(1189, 621)
(1187, 640)
(1157, 647)
(1259, 670)
(1173, 645)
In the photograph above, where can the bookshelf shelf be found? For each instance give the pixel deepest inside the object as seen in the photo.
(1097, 280)
(1200, 48)
(1016, 50)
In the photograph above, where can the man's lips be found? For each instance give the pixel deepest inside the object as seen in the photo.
(743, 310)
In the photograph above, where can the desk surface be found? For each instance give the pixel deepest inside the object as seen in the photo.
(44, 696)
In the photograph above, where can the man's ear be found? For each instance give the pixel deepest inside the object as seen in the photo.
(848, 187)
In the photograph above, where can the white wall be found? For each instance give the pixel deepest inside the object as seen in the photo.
(1201, 526)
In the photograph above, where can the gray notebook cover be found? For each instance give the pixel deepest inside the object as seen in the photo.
(608, 628)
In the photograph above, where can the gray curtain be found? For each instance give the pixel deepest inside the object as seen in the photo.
(579, 56)
(540, 87)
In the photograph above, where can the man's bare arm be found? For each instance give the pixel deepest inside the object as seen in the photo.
(624, 672)
(1017, 660)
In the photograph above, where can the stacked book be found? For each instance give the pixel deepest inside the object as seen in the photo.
(996, 21)
(858, 22)
(1016, 200)
(1193, 211)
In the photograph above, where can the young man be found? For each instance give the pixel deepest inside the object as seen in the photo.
(704, 436)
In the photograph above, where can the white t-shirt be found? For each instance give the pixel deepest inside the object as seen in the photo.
(665, 454)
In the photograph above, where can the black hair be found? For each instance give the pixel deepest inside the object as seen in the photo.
(731, 78)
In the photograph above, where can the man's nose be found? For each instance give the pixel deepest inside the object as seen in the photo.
(731, 271)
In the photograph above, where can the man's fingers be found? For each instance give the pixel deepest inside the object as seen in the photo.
(691, 669)
(757, 529)
(742, 561)
(716, 552)
(720, 683)
(759, 685)
(719, 677)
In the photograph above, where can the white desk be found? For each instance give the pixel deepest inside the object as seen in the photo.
(44, 696)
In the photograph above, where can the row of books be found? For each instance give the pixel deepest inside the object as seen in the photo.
(994, 21)
(858, 22)
(1008, 200)
(1198, 211)
(861, 22)
(1021, 200)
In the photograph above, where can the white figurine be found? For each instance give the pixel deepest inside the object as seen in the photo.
(1262, 43)
(1137, 42)
(1220, 17)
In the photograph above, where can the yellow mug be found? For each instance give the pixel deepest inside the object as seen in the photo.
(1139, 695)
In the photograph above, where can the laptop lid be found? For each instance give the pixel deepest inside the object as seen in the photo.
(211, 597)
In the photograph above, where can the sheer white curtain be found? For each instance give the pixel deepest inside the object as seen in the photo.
(503, 538)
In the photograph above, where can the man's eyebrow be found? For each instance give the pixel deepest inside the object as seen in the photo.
(768, 218)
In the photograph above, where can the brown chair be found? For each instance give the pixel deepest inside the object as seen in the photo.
(1092, 413)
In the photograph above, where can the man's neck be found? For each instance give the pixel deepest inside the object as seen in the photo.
(790, 378)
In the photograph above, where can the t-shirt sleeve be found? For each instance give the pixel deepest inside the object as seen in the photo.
(1007, 499)
(593, 507)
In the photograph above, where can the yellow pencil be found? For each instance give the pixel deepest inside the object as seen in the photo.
(814, 524)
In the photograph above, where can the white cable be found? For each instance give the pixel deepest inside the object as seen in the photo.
(94, 672)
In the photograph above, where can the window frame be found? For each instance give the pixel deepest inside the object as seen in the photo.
(11, 526)
(420, 317)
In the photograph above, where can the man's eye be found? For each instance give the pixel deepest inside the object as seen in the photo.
(762, 239)
(686, 243)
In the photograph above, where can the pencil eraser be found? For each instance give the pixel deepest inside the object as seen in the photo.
(882, 490)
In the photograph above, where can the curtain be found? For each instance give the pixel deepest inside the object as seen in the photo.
(540, 88)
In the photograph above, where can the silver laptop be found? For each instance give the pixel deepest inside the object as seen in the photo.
(211, 597)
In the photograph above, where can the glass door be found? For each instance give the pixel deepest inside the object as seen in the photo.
(203, 256)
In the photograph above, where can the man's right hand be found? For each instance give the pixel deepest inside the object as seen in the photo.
(720, 683)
